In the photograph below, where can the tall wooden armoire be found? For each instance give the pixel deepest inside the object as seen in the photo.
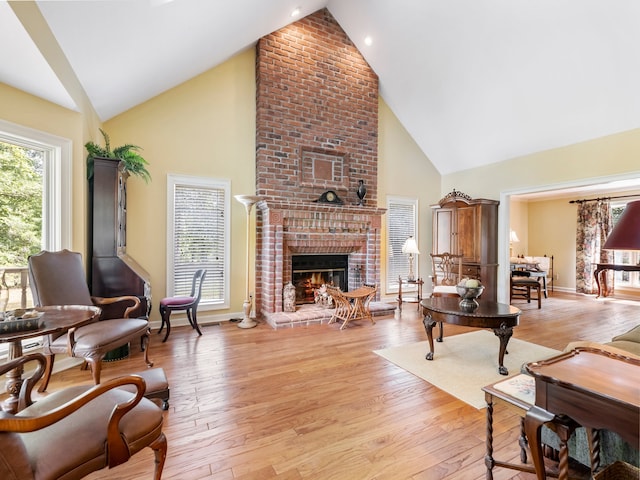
(111, 271)
(462, 225)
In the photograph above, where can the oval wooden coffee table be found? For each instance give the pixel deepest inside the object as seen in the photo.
(497, 316)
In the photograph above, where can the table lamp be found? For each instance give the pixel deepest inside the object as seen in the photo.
(410, 247)
(513, 237)
(626, 233)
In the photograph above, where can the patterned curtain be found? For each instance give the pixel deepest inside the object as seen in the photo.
(594, 226)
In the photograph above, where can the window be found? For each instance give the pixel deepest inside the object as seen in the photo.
(49, 157)
(625, 257)
(401, 224)
(198, 237)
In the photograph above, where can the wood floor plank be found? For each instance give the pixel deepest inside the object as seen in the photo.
(315, 402)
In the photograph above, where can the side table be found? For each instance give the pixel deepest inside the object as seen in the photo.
(518, 394)
(418, 282)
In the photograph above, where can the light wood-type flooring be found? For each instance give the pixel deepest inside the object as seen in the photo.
(317, 403)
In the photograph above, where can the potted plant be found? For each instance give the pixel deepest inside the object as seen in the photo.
(132, 162)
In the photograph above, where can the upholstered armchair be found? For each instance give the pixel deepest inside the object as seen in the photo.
(72, 432)
(58, 278)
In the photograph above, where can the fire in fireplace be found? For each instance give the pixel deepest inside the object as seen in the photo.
(310, 272)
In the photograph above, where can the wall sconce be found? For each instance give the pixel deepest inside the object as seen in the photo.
(410, 247)
(626, 234)
(513, 237)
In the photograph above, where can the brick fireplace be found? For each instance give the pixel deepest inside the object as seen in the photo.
(316, 131)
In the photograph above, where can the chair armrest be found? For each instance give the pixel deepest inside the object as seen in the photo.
(117, 449)
(28, 383)
(101, 301)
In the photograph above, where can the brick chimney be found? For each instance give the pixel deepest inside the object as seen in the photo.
(316, 130)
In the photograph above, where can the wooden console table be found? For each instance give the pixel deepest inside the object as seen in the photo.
(603, 267)
(596, 389)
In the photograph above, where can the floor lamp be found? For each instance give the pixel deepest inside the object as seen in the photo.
(248, 201)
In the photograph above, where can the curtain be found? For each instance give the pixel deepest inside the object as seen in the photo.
(594, 225)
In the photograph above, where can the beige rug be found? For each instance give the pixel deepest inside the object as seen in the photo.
(465, 363)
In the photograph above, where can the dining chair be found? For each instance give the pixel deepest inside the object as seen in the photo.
(189, 304)
(446, 273)
(58, 278)
(70, 433)
(521, 285)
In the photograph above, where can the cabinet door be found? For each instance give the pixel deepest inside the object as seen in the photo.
(444, 231)
(468, 233)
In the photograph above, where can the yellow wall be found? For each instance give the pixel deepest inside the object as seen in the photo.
(405, 171)
(204, 127)
(613, 155)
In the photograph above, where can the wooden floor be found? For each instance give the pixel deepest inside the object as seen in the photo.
(316, 402)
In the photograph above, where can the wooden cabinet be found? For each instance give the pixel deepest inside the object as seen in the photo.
(462, 225)
(111, 271)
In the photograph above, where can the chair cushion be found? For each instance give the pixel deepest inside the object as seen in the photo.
(632, 335)
(175, 301)
(97, 338)
(14, 460)
(85, 433)
(445, 289)
(526, 281)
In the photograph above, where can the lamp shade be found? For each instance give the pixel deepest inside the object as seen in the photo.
(410, 246)
(626, 234)
(513, 237)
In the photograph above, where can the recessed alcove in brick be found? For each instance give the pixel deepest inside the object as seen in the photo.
(316, 130)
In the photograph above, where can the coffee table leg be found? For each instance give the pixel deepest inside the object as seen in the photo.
(428, 326)
(504, 334)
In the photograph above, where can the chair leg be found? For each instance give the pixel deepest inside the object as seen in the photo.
(166, 318)
(162, 312)
(159, 447)
(145, 338)
(96, 368)
(47, 373)
(194, 320)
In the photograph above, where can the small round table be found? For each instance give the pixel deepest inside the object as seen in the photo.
(497, 316)
(54, 319)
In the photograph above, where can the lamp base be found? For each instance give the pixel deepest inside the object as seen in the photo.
(247, 322)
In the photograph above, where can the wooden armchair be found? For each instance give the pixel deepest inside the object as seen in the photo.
(73, 432)
(58, 278)
(446, 273)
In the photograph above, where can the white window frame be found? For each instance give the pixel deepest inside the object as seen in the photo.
(396, 238)
(174, 181)
(57, 188)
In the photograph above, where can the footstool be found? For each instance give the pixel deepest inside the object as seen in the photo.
(157, 386)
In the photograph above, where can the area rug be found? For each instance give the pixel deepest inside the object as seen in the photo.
(463, 364)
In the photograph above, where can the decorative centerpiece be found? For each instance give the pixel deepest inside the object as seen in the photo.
(20, 320)
(469, 289)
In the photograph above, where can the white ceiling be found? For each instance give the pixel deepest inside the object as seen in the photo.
(473, 81)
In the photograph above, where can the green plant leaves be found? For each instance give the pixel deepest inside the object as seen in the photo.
(131, 160)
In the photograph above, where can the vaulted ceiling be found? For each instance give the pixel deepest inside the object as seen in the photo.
(473, 81)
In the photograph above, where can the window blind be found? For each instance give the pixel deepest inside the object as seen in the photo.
(401, 224)
(199, 240)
